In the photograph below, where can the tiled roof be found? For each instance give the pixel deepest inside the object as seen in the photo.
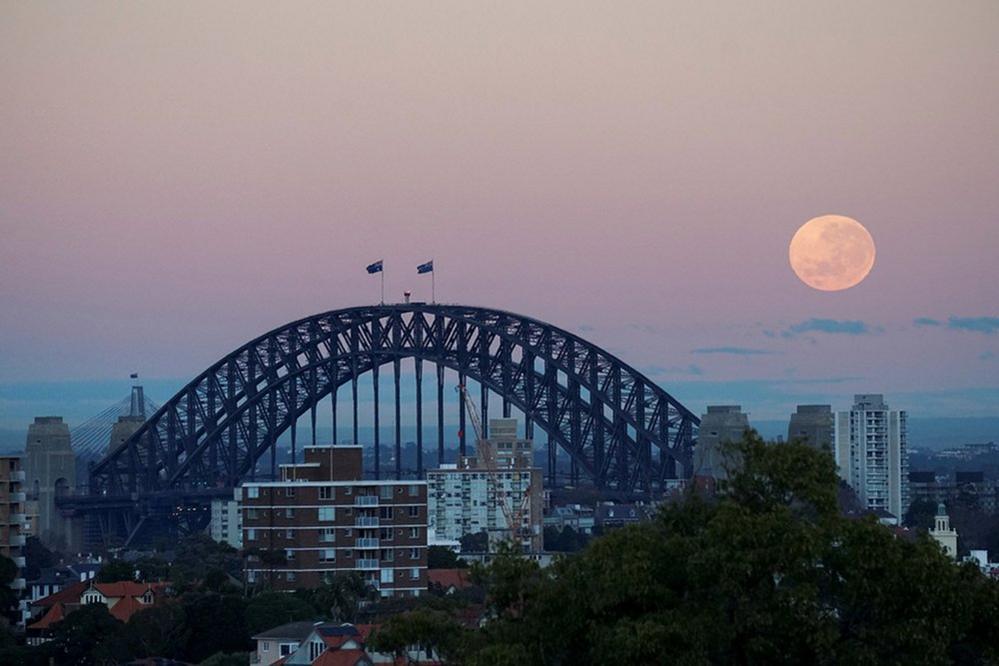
(127, 607)
(447, 578)
(127, 588)
(70, 593)
(52, 615)
(342, 658)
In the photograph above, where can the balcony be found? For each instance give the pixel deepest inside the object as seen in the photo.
(366, 543)
(366, 521)
(18, 519)
(19, 561)
(17, 540)
(18, 498)
(366, 500)
(366, 564)
(18, 476)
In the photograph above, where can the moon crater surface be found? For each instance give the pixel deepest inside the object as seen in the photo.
(832, 253)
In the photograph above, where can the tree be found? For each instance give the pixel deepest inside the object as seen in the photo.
(767, 572)
(216, 622)
(270, 609)
(341, 595)
(433, 632)
(921, 514)
(475, 543)
(442, 557)
(37, 557)
(88, 636)
(198, 555)
(8, 597)
(227, 659)
(159, 631)
(114, 571)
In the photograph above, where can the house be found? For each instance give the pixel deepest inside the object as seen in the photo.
(333, 645)
(610, 515)
(280, 642)
(123, 599)
(448, 581)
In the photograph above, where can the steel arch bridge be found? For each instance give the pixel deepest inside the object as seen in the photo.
(620, 429)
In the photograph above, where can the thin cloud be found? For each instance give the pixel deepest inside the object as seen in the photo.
(830, 326)
(735, 351)
(986, 325)
(927, 321)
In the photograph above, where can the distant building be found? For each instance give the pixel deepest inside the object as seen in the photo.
(323, 518)
(226, 525)
(813, 425)
(468, 497)
(12, 517)
(610, 515)
(942, 532)
(872, 456)
(50, 467)
(721, 425)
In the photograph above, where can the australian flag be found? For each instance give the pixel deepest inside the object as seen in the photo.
(426, 268)
(375, 267)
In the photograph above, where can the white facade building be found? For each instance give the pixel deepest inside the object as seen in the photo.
(469, 498)
(226, 525)
(872, 454)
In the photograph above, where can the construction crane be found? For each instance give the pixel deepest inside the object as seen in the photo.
(486, 454)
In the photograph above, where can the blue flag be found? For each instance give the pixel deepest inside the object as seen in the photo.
(426, 268)
(375, 267)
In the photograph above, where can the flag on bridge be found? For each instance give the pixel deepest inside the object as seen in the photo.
(426, 268)
(134, 375)
(375, 267)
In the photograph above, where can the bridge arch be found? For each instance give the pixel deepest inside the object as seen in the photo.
(619, 428)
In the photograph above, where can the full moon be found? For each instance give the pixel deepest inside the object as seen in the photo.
(832, 253)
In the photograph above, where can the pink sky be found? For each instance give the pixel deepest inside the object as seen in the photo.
(177, 178)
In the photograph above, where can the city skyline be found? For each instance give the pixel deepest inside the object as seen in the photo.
(177, 181)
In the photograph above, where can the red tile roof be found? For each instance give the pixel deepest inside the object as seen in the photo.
(54, 614)
(448, 578)
(70, 593)
(342, 658)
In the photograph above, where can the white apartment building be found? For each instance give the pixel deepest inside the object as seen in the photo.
(468, 498)
(872, 454)
(226, 525)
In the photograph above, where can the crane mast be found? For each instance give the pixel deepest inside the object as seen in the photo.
(486, 453)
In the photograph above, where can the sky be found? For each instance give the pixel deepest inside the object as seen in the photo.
(178, 178)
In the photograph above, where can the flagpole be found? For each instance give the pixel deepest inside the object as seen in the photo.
(382, 271)
(433, 283)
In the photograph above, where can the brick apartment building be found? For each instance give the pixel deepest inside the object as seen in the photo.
(323, 518)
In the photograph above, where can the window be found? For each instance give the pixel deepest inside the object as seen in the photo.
(326, 492)
(289, 513)
(414, 574)
(349, 490)
(327, 513)
(385, 492)
(414, 491)
(414, 553)
(385, 534)
(266, 646)
(287, 648)
(251, 514)
(251, 534)
(414, 512)
(328, 535)
(327, 555)
(414, 532)
(385, 513)
(348, 553)
(387, 575)
(348, 532)
(289, 534)
(290, 576)
(289, 492)
(289, 555)
(388, 555)
(252, 492)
